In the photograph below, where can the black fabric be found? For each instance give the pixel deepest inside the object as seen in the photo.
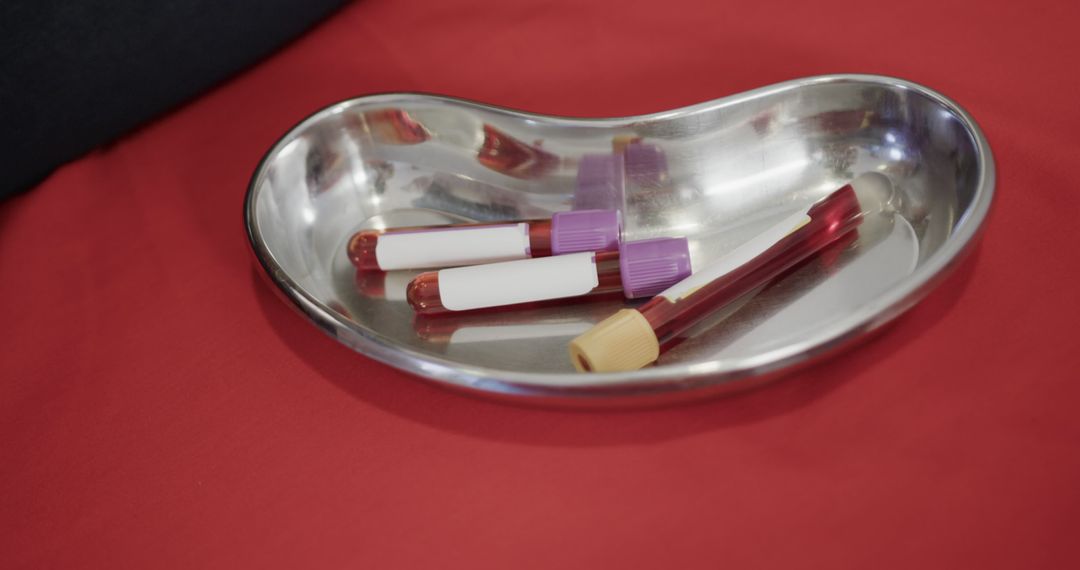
(78, 74)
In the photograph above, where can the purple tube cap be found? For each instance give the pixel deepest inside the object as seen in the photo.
(601, 184)
(585, 230)
(649, 266)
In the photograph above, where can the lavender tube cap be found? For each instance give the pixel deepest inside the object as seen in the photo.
(649, 266)
(585, 230)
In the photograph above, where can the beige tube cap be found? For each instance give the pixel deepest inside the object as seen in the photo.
(623, 341)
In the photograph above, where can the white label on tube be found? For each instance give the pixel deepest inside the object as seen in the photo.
(435, 248)
(737, 257)
(510, 282)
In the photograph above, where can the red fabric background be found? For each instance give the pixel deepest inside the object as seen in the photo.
(160, 408)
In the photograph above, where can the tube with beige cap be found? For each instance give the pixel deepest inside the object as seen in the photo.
(634, 338)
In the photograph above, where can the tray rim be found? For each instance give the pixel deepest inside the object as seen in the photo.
(660, 383)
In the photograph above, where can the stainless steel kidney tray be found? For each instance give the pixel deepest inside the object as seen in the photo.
(716, 172)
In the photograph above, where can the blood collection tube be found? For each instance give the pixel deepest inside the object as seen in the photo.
(470, 244)
(633, 338)
(638, 268)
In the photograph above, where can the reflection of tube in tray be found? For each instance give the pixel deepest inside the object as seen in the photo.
(394, 126)
(454, 330)
(388, 285)
(632, 338)
(512, 157)
(602, 179)
(471, 199)
(601, 182)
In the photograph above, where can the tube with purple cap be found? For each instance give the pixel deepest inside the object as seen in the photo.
(638, 268)
(471, 244)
